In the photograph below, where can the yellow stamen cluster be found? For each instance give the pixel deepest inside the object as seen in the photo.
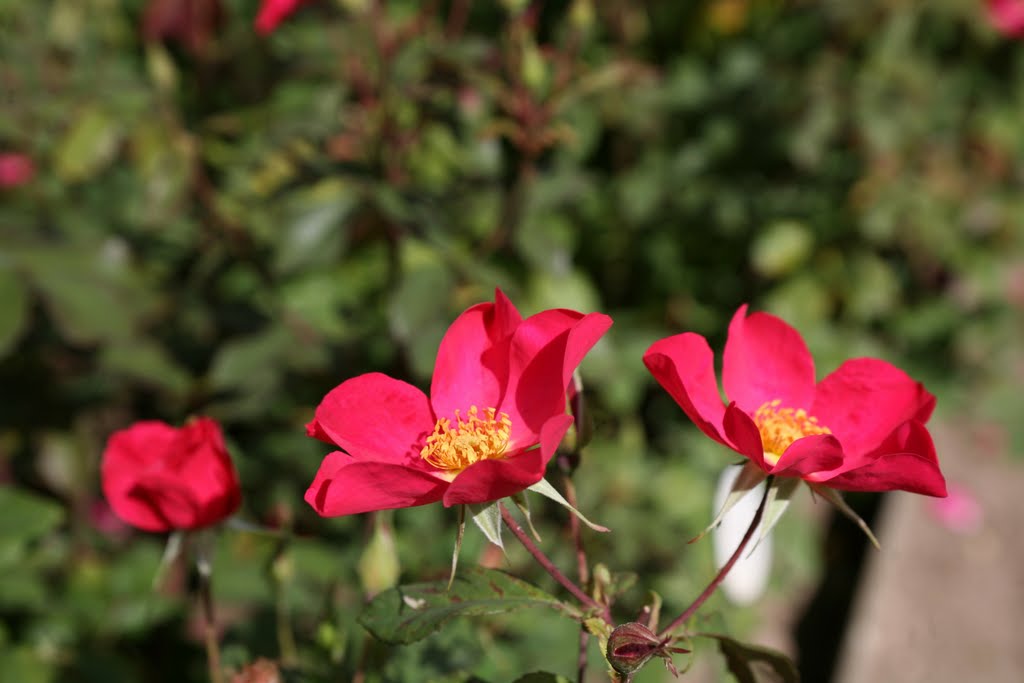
(475, 438)
(780, 427)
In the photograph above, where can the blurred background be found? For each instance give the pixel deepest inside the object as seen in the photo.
(196, 218)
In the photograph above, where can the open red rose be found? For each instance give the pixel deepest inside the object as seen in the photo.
(273, 12)
(498, 392)
(859, 429)
(159, 478)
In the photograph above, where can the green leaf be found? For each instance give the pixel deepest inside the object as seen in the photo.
(92, 296)
(749, 477)
(26, 516)
(88, 146)
(13, 309)
(541, 677)
(781, 248)
(548, 491)
(22, 664)
(146, 362)
(753, 663)
(409, 613)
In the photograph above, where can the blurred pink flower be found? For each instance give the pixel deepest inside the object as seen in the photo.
(273, 12)
(106, 521)
(15, 169)
(1007, 16)
(959, 512)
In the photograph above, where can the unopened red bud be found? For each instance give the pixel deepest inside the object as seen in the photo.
(630, 646)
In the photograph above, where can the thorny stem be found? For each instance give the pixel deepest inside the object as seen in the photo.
(724, 571)
(209, 622)
(545, 562)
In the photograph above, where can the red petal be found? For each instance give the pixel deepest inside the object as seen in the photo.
(905, 461)
(766, 359)
(685, 367)
(200, 459)
(809, 456)
(743, 436)
(157, 477)
(375, 417)
(472, 361)
(162, 503)
(865, 399)
(273, 12)
(128, 454)
(545, 350)
(345, 486)
(489, 480)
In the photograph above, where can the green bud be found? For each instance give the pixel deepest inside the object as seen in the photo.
(378, 567)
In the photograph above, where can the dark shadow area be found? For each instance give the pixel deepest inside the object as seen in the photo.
(823, 625)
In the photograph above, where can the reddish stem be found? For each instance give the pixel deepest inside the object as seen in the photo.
(724, 571)
(548, 565)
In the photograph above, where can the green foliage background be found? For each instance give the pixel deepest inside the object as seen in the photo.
(232, 227)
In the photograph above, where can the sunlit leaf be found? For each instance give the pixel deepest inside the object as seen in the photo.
(406, 614)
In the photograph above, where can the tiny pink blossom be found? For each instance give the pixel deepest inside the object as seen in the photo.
(959, 512)
(1007, 16)
(105, 520)
(15, 169)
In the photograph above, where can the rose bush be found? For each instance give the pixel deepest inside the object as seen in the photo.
(161, 478)
(498, 392)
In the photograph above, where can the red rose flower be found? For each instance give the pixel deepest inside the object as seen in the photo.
(859, 429)
(273, 12)
(1007, 16)
(498, 391)
(158, 478)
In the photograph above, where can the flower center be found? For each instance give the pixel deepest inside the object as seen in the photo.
(780, 427)
(456, 447)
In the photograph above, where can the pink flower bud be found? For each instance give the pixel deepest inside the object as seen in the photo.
(15, 169)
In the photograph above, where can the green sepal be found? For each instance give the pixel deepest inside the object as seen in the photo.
(748, 479)
(548, 491)
(487, 517)
(175, 542)
(523, 503)
(779, 494)
(652, 611)
(458, 544)
(834, 497)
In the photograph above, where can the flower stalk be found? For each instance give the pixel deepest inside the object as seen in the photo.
(547, 565)
(209, 619)
(724, 571)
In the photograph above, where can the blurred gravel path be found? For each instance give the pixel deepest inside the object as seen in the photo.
(938, 606)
